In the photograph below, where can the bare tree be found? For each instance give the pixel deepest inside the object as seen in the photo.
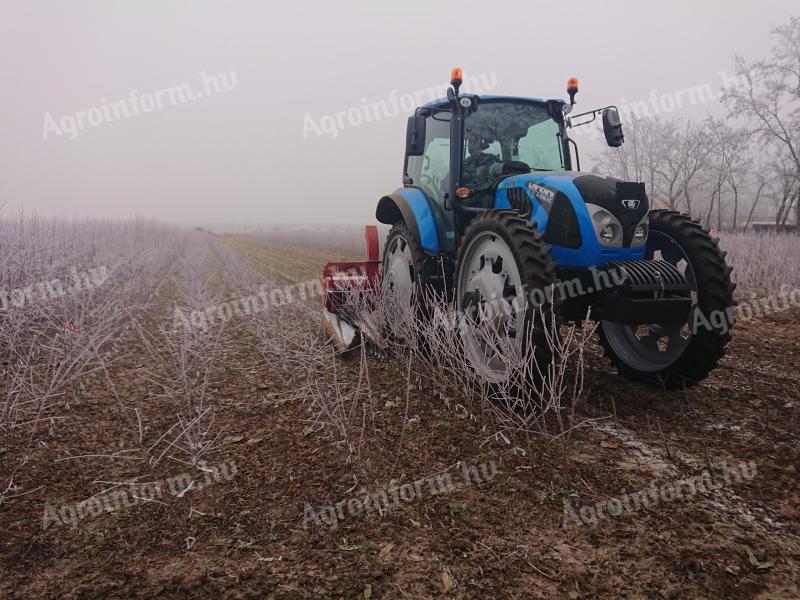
(768, 95)
(695, 162)
(728, 149)
(644, 155)
(763, 179)
(683, 158)
(788, 188)
(669, 156)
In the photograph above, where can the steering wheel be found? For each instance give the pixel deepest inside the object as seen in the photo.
(515, 167)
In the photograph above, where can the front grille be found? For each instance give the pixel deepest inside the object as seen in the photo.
(563, 228)
(519, 200)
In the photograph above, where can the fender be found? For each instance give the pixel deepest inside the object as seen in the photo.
(411, 205)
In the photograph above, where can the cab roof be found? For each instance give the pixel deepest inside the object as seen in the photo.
(444, 102)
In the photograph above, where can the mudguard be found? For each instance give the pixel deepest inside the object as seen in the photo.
(412, 206)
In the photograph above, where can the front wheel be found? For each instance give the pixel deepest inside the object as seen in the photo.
(678, 356)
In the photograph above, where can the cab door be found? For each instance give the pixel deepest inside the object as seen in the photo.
(431, 172)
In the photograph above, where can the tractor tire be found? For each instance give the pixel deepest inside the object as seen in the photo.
(504, 275)
(706, 334)
(407, 283)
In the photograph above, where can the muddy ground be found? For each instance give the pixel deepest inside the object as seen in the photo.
(249, 535)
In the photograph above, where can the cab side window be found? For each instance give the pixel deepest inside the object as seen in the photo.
(436, 168)
(431, 171)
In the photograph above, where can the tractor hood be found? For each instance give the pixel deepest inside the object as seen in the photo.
(562, 204)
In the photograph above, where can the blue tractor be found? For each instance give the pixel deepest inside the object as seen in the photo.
(495, 214)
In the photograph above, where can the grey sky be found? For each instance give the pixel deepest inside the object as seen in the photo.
(240, 156)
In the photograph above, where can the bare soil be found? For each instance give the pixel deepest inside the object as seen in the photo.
(505, 538)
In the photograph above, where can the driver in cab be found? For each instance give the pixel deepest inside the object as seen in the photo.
(477, 169)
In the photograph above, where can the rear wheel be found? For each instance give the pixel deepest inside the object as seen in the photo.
(503, 275)
(678, 356)
(405, 280)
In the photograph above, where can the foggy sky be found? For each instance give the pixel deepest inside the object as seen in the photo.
(239, 155)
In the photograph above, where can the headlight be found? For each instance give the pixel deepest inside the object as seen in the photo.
(606, 226)
(608, 232)
(640, 233)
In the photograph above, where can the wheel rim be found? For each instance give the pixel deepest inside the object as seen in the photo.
(654, 347)
(398, 277)
(489, 294)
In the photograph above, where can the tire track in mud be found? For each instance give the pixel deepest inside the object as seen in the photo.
(679, 464)
(663, 457)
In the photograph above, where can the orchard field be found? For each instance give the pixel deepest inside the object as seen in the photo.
(173, 422)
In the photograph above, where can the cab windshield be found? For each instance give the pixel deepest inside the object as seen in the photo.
(504, 138)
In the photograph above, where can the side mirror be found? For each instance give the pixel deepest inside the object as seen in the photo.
(612, 127)
(415, 136)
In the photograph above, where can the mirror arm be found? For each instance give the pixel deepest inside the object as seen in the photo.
(594, 114)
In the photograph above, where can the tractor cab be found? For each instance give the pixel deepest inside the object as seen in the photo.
(501, 136)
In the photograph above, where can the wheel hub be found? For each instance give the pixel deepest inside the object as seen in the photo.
(489, 293)
(650, 348)
(398, 277)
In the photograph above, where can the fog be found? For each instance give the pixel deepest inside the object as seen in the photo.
(96, 121)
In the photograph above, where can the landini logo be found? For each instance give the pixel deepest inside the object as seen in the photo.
(631, 204)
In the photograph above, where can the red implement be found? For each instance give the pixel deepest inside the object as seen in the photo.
(349, 291)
